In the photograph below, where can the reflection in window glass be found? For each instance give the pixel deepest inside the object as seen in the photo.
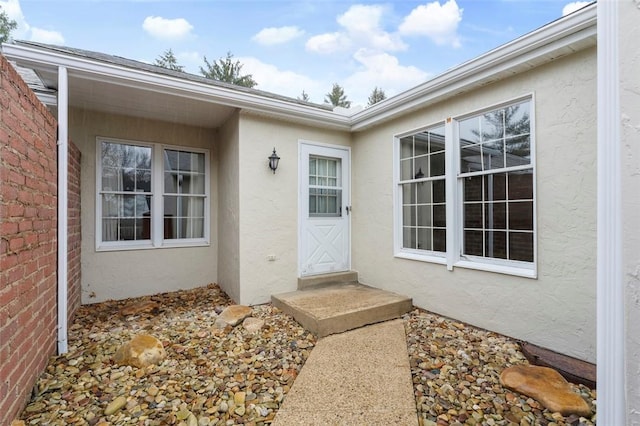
(125, 191)
(422, 170)
(498, 205)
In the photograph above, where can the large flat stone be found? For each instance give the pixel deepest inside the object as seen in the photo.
(546, 386)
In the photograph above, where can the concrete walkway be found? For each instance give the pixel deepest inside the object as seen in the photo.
(360, 377)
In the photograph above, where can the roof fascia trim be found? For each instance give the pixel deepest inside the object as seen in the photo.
(116, 74)
(553, 37)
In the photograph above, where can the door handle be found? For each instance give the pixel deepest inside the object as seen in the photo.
(348, 209)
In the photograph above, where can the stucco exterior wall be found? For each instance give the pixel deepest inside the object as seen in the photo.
(556, 310)
(629, 34)
(269, 204)
(229, 208)
(130, 273)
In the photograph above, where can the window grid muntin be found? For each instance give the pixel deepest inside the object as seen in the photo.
(484, 173)
(155, 220)
(325, 187)
(130, 221)
(424, 148)
(182, 224)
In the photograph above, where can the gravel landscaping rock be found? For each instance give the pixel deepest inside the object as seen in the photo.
(226, 375)
(456, 376)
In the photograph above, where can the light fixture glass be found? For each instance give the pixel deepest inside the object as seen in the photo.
(273, 161)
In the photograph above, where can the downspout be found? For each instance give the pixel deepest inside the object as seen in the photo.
(63, 149)
(610, 303)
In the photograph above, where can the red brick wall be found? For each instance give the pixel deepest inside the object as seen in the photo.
(74, 232)
(27, 240)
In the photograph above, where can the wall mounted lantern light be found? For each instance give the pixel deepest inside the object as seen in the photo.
(273, 161)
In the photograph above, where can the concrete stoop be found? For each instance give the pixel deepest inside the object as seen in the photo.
(335, 303)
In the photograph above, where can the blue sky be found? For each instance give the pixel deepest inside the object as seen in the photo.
(291, 46)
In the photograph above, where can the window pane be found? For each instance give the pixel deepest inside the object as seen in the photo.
(438, 191)
(421, 144)
(469, 130)
(495, 187)
(424, 192)
(424, 239)
(521, 215)
(312, 166)
(143, 180)
(518, 151)
(439, 216)
(493, 155)
(496, 244)
(437, 165)
(110, 229)
(409, 237)
(439, 240)
(111, 180)
(470, 159)
(170, 206)
(473, 215)
(110, 205)
(409, 193)
(421, 167)
(473, 243)
(437, 139)
(424, 216)
(517, 119)
(495, 215)
(521, 185)
(406, 147)
(191, 206)
(171, 159)
(409, 216)
(406, 169)
(473, 188)
(492, 124)
(521, 246)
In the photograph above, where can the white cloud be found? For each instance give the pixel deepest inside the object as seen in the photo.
(167, 29)
(46, 36)
(381, 70)
(24, 31)
(287, 83)
(438, 22)
(362, 26)
(328, 43)
(271, 36)
(573, 6)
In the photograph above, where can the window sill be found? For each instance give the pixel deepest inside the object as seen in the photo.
(421, 257)
(500, 269)
(150, 246)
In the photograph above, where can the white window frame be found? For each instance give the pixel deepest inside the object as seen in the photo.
(399, 250)
(454, 201)
(157, 196)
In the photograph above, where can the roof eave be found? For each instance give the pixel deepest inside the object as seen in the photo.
(40, 59)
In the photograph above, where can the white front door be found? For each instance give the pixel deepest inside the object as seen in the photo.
(324, 242)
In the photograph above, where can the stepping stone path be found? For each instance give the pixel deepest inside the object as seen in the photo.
(141, 351)
(546, 386)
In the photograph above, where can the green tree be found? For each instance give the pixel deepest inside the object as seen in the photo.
(6, 26)
(168, 60)
(376, 96)
(336, 97)
(225, 69)
(304, 96)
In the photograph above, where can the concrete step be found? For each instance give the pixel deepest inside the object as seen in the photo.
(324, 280)
(336, 308)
